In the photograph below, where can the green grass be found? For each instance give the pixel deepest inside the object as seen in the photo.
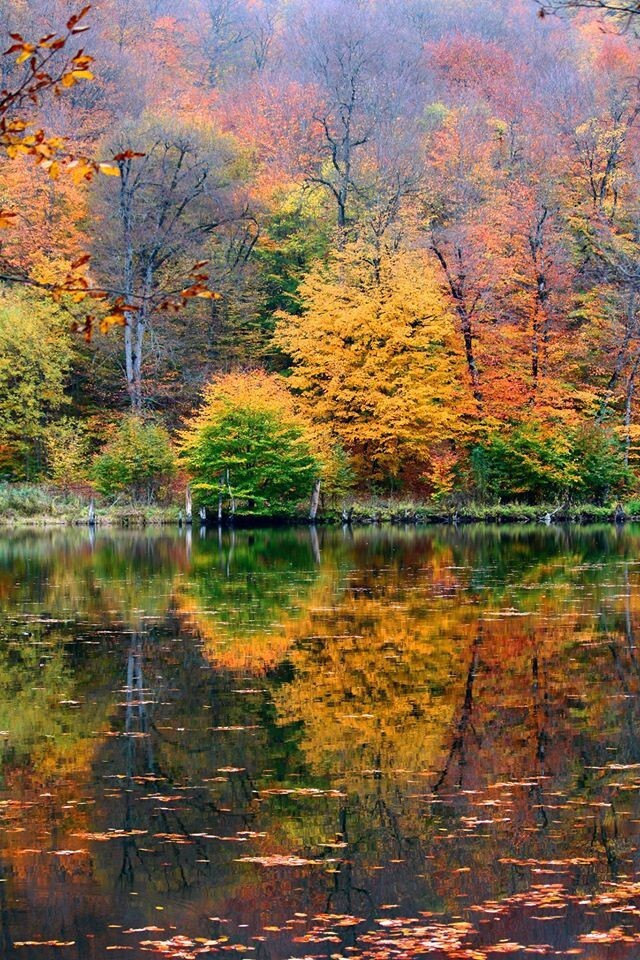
(39, 505)
(36, 504)
(26, 501)
(378, 510)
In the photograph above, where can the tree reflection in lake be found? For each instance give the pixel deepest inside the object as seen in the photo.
(285, 743)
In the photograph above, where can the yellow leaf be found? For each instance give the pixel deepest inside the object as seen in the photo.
(80, 170)
(113, 320)
(27, 50)
(109, 169)
(15, 149)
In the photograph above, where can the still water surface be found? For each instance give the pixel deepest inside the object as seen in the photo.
(274, 744)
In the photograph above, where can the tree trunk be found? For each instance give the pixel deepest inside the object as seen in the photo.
(315, 501)
(456, 285)
(232, 499)
(131, 319)
(628, 408)
(188, 506)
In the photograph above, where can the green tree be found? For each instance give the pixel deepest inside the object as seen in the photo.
(135, 462)
(531, 465)
(249, 447)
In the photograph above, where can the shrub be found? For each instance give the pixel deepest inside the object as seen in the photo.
(599, 465)
(632, 507)
(66, 448)
(532, 465)
(136, 462)
(523, 464)
(31, 500)
(249, 447)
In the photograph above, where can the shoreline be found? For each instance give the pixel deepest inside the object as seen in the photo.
(359, 514)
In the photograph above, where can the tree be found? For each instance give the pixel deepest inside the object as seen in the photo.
(136, 461)
(248, 447)
(36, 352)
(44, 68)
(376, 358)
(534, 464)
(67, 452)
(170, 200)
(343, 63)
(623, 12)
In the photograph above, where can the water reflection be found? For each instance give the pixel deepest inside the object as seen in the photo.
(320, 743)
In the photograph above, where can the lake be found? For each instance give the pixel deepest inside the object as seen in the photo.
(378, 743)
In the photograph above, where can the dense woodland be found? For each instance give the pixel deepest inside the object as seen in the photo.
(392, 245)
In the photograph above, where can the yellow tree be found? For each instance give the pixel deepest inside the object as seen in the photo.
(375, 354)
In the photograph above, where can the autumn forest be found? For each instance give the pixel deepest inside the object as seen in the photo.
(319, 479)
(350, 247)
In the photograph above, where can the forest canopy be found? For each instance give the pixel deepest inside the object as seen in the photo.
(416, 221)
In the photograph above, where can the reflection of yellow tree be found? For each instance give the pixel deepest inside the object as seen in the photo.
(378, 690)
(452, 701)
(419, 693)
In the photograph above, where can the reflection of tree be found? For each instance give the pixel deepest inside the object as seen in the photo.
(248, 594)
(464, 725)
(499, 667)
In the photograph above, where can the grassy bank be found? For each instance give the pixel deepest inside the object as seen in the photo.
(34, 505)
(39, 506)
(398, 511)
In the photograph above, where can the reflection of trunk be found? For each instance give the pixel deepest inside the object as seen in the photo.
(627, 673)
(608, 838)
(315, 544)
(5, 932)
(136, 719)
(628, 623)
(340, 898)
(540, 713)
(232, 547)
(465, 723)
(541, 721)
(135, 722)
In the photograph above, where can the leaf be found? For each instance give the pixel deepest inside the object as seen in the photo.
(7, 219)
(27, 50)
(112, 320)
(77, 17)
